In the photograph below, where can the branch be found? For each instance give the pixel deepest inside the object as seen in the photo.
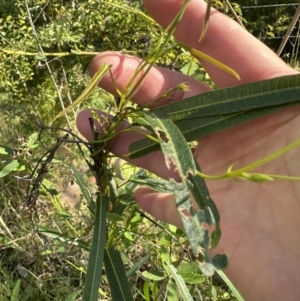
(289, 31)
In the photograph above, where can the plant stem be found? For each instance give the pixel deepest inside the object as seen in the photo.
(238, 172)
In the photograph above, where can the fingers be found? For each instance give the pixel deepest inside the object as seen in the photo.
(157, 81)
(161, 206)
(225, 41)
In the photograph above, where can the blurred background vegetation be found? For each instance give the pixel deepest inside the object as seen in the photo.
(43, 68)
(69, 27)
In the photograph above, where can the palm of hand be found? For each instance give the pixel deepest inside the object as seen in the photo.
(263, 250)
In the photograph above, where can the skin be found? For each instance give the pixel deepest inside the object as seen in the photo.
(260, 222)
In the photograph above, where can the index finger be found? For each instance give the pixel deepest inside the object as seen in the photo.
(225, 41)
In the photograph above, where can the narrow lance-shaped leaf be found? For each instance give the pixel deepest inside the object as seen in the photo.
(153, 183)
(235, 292)
(272, 92)
(178, 155)
(197, 235)
(174, 146)
(172, 294)
(209, 212)
(195, 128)
(181, 286)
(201, 55)
(63, 238)
(16, 291)
(245, 103)
(137, 265)
(94, 270)
(116, 276)
(206, 20)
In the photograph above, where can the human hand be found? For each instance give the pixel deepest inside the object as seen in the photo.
(259, 222)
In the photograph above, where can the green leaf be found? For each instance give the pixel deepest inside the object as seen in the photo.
(201, 55)
(187, 267)
(197, 235)
(116, 276)
(181, 286)
(195, 128)
(173, 144)
(137, 266)
(190, 68)
(132, 186)
(188, 271)
(49, 186)
(172, 294)
(16, 291)
(192, 278)
(220, 261)
(128, 235)
(63, 238)
(10, 167)
(72, 296)
(94, 270)
(114, 217)
(153, 183)
(146, 290)
(235, 292)
(206, 20)
(5, 150)
(207, 268)
(154, 275)
(21, 167)
(32, 141)
(208, 213)
(177, 152)
(272, 92)
(216, 110)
